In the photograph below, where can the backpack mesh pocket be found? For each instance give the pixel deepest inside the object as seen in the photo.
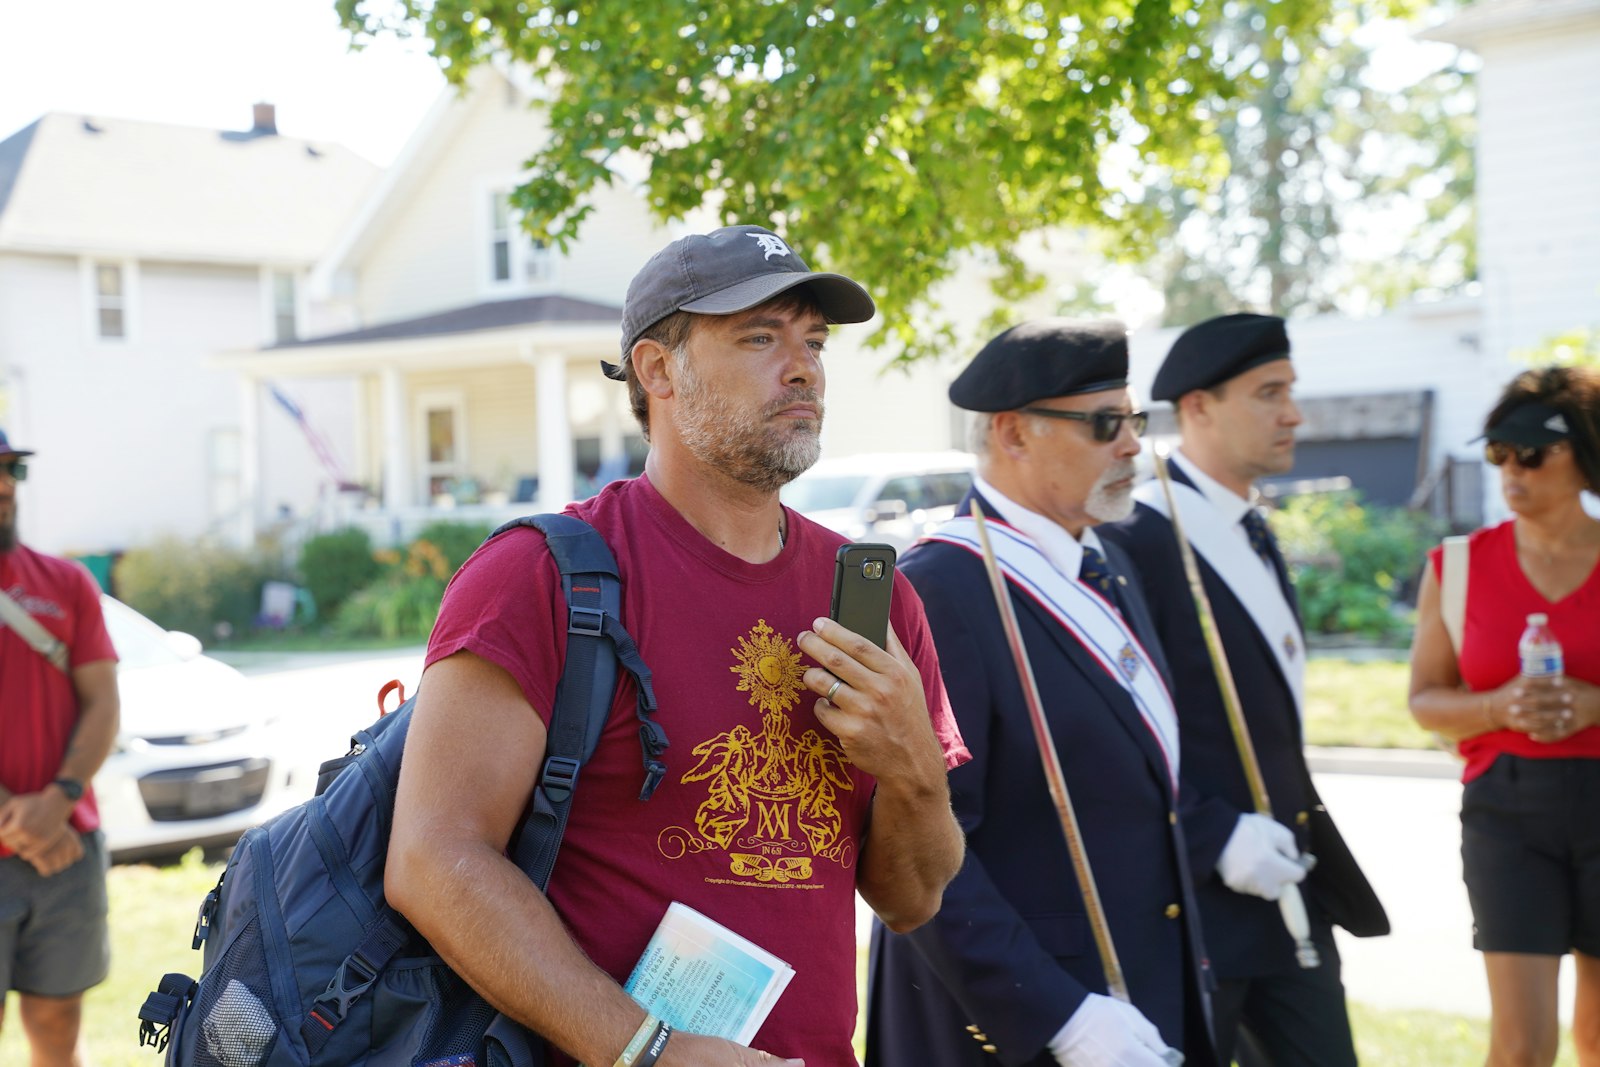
(235, 1025)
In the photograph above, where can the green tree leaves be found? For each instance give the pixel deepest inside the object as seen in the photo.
(887, 137)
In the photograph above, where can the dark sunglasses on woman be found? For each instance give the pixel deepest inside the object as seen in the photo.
(1528, 457)
(15, 469)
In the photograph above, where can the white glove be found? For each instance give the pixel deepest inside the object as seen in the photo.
(1260, 858)
(1104, 1032)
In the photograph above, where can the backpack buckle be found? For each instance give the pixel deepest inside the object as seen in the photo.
(559, 777)
(208, 912)
(353, 978)
(160, 1010)
(591, 622)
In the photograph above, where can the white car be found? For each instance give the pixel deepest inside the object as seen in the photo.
(891, 497)
(197, 761)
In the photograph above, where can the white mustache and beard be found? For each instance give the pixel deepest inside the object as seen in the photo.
(1108, 505)
(739, 442)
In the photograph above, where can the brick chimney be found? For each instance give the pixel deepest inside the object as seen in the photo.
(265, 119)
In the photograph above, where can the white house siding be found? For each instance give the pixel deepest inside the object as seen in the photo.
(125, 429)
(1538, 175)
(436, 253)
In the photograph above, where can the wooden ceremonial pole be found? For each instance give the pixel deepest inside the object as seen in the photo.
(1290, 904)
(1052, 769)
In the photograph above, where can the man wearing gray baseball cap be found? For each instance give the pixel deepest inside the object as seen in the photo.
(806, 762)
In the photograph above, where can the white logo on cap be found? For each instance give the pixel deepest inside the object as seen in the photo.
(771, 244)
(1557, 423)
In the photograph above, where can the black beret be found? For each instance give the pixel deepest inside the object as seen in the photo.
(1211, 352)
(1042, 358)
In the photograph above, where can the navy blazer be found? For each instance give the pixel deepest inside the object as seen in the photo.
(1246, 934)
(1010, 955)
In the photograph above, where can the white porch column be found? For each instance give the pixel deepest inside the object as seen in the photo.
(555, 432)
(398, 491)
(249, 459)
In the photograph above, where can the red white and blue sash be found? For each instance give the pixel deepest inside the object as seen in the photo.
(1084, 614)
(1242, 571)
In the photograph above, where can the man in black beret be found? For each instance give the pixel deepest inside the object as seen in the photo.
(1009, 967)
(1231, 382)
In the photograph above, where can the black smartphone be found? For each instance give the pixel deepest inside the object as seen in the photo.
(863, 584)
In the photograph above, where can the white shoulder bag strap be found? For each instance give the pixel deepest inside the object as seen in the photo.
(1453, 589)
(42, 641)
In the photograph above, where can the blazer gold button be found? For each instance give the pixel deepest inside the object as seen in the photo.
(980, 1037)
(1173, 911)
(1172, 817)
(1301, 818)
(990, 1048)
(971, 1029)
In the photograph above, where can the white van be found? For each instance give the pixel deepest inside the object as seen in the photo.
(892, 497)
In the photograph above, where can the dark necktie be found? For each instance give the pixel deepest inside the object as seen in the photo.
(1260, 537)
(1094, 573)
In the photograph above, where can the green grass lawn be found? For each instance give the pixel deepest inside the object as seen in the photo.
(153, 910)
(1360, 703)
(152, 919)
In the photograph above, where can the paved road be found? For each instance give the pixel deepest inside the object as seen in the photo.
(1398, 812)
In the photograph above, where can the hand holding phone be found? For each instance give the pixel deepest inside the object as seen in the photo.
(863, 586)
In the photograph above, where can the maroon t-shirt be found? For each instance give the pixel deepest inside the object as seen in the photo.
(38, 704)
(1499, 600)
(760, 820)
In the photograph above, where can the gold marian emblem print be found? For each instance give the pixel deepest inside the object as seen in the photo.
(770, 796)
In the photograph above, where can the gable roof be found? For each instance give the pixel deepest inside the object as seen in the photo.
(71, 184)
(490, 315)
(1487, 20)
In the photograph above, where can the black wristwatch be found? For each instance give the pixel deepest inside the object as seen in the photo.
(71, 787)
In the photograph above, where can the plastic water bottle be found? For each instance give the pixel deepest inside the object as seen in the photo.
(1539, 649)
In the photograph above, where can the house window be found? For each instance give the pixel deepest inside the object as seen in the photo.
(225, 472)
(283, 306)
(110, 305)
(515, 259)
(442, 422)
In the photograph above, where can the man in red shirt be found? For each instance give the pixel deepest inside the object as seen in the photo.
(806, 763)
(58, 717)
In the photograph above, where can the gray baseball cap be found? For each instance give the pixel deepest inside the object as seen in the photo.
(725, 272)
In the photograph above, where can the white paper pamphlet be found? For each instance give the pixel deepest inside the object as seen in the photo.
(699, 976)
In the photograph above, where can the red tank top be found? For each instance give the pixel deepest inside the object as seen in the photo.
(1499, 600)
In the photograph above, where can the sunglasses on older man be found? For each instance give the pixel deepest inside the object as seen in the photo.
(1528, 457)
(1106, 424)
(15, 469)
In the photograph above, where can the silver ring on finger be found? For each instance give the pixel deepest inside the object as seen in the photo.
(832, 689)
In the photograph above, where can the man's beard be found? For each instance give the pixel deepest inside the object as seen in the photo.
(1107, 505)
(8, 536)
(739, 443)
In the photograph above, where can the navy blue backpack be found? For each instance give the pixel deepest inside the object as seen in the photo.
(306, 965)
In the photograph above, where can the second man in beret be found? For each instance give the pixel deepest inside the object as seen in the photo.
(1009, 968)
(1231, 382)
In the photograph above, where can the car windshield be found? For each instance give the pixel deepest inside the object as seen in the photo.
(823, 492)
(138, 641)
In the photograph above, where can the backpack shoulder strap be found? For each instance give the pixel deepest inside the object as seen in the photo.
(597, 645)
(1453, 566)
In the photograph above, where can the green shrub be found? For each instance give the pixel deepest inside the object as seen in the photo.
(335, 565)
(454, 540)
(201, 588)
(1353, 565)
(404, 602)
